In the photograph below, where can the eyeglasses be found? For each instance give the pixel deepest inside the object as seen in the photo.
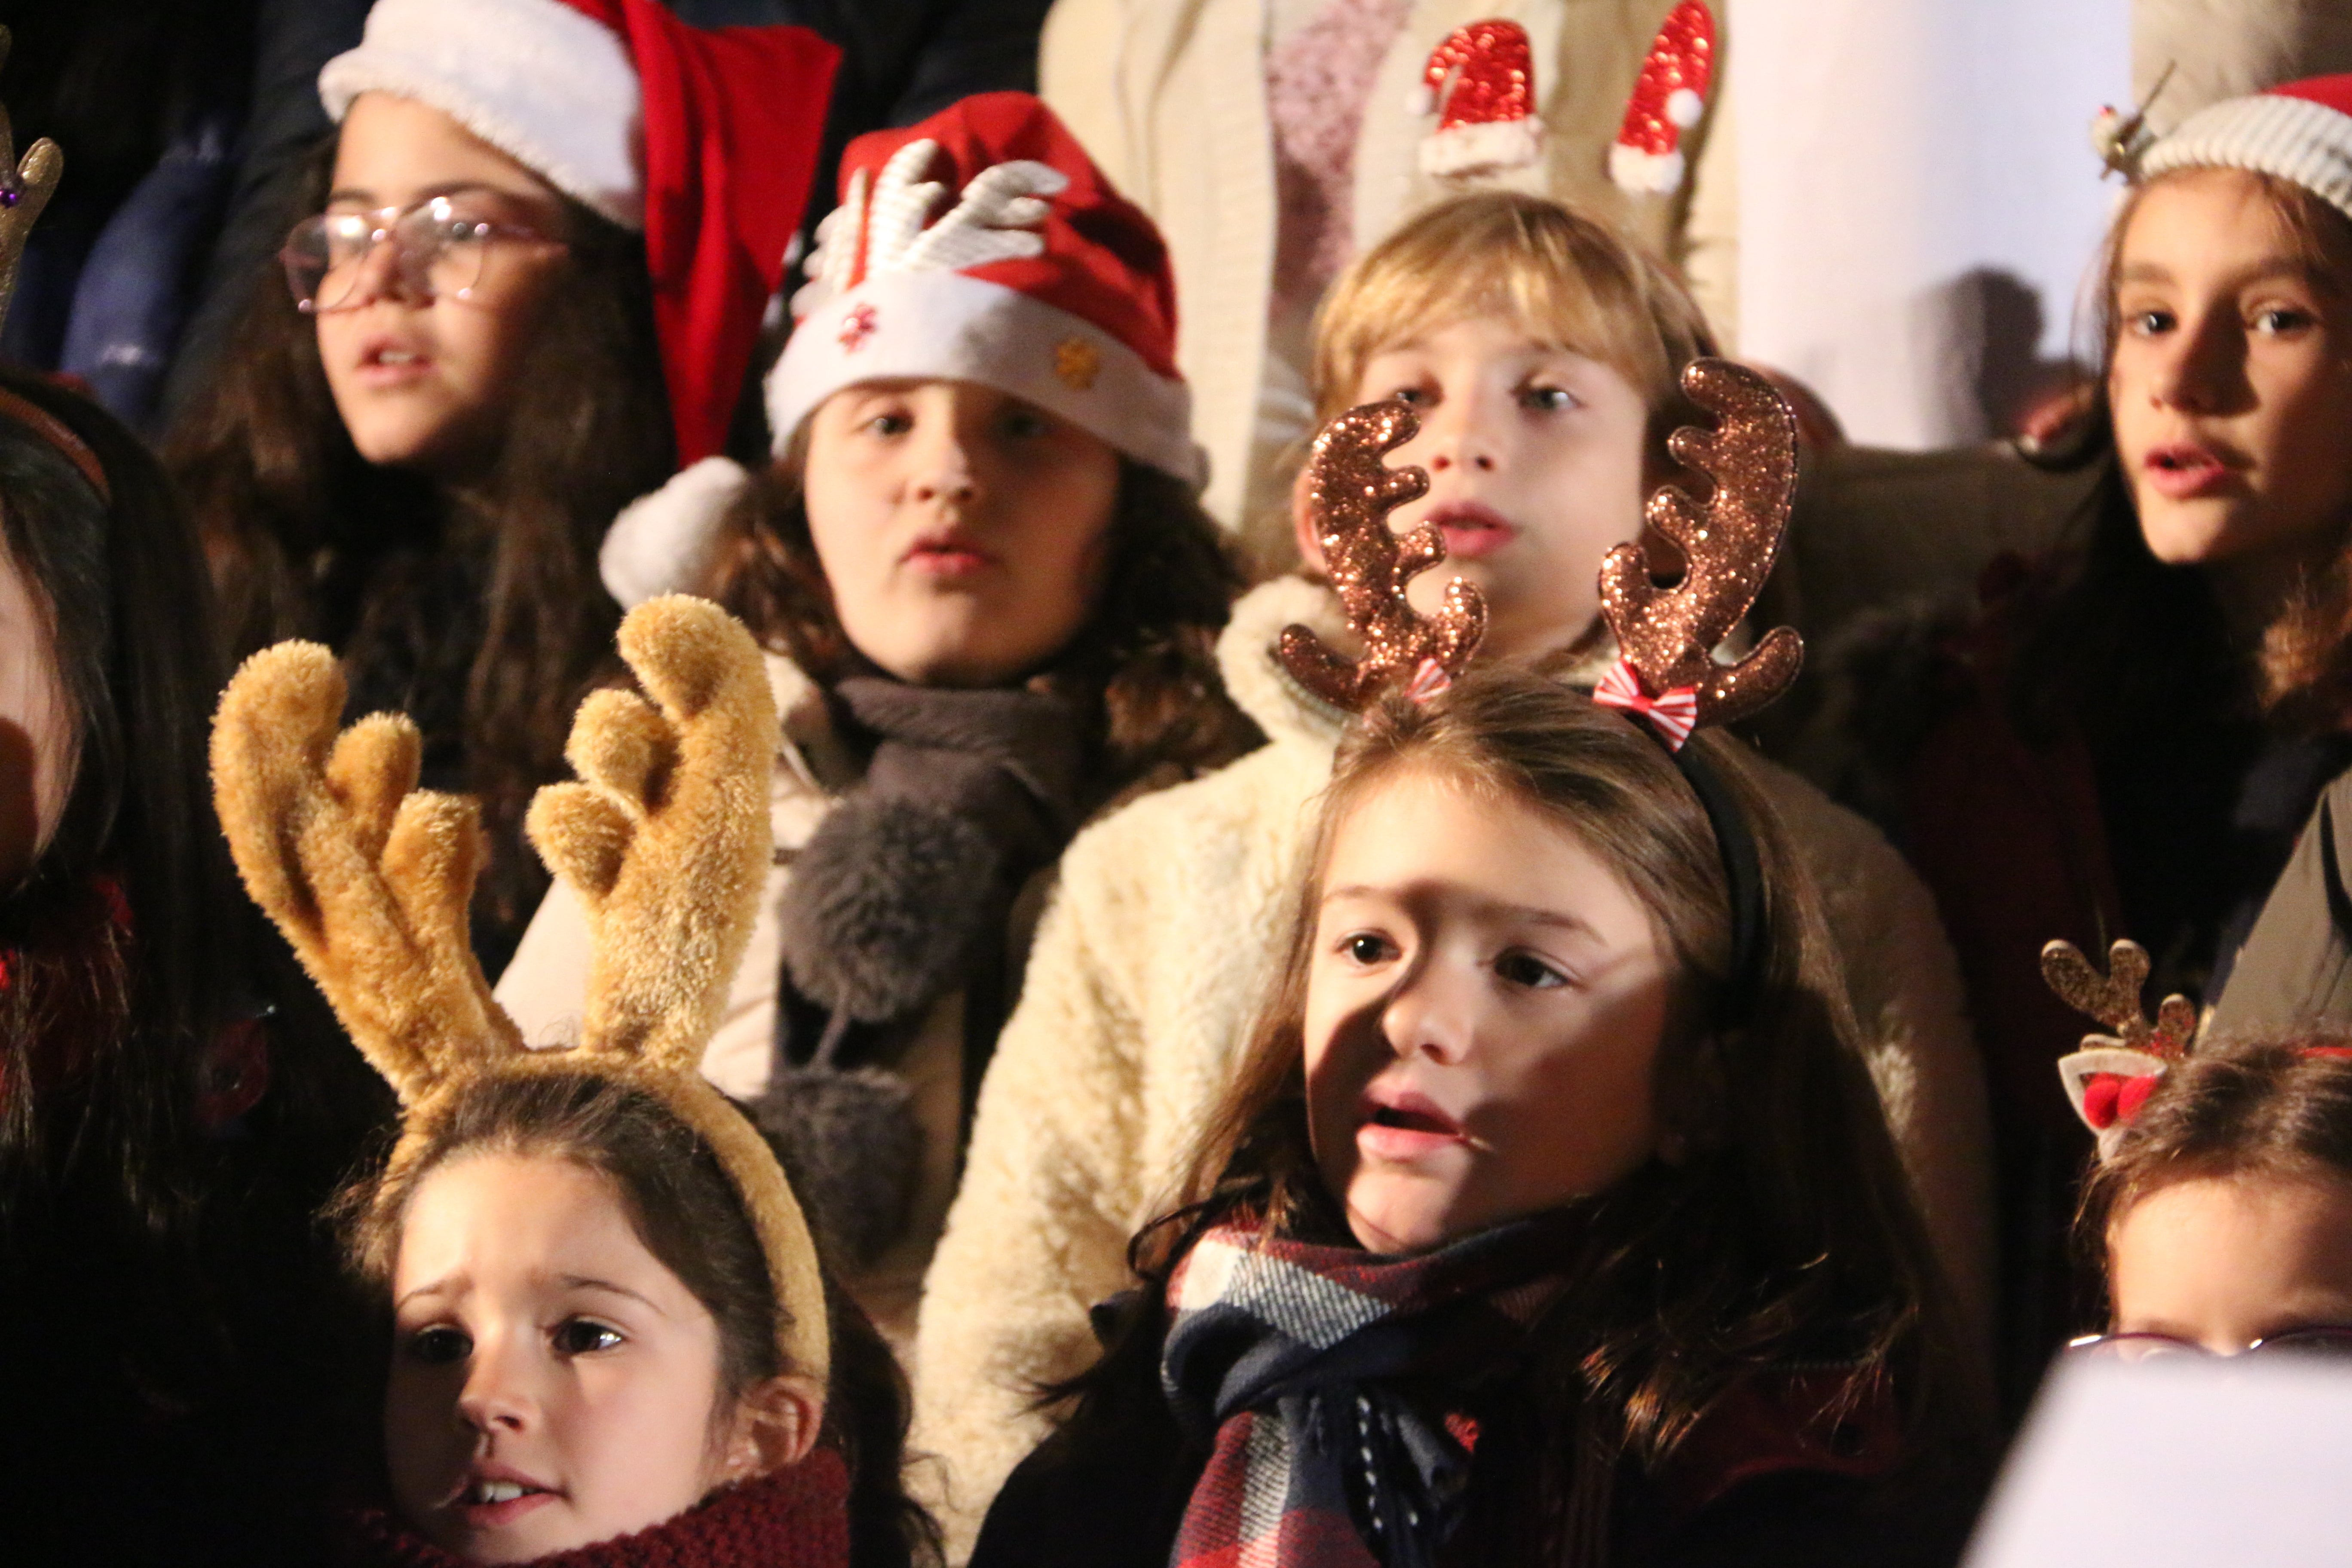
(2327, 1343)
(440, 247)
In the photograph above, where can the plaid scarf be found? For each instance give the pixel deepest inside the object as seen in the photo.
(1292, 1356)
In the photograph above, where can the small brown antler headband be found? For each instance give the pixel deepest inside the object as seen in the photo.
(1666, 672)
(2108, 1079)
(665, 842)
(1349, 493)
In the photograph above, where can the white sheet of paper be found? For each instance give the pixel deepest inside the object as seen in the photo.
(2196, 1462)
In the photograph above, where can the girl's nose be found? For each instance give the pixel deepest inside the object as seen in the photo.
(496, 1397)
(944, 471)
(1433, 1013)
(2194, 376)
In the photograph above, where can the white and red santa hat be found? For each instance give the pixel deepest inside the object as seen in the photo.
(704, 141)
(983, 245)
(1669, 97)
(2301, 132)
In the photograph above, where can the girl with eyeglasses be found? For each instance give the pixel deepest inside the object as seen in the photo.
(2222, 1220)
(526, 288)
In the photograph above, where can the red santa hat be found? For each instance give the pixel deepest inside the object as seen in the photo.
(983, 245)
(2301, 132)
(1668, 97)
(705, 141)
(1480, 82)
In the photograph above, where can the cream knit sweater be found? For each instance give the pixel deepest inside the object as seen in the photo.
(1167, 925)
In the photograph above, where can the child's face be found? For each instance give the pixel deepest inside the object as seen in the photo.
(1535, 456)
(421, 382)
(552, 1383)
(2231, 379)
(1485, 1007)
(38, 738)
(962, 530)
(2226, 1260)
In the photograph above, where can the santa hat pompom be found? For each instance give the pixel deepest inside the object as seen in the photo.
(663, 542)
(1669, 97)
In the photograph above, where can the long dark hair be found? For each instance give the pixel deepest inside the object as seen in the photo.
(688, 1216)
(1143, 667)
(482, 616)
(1786, 1234)
(120, 585)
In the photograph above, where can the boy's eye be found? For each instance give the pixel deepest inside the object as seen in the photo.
(1526, 969)
(1366, 947)
(892, 424)
(1549, 399)
(1026, 423)
(441, 1346)
(583, 1336)
(2280, 319)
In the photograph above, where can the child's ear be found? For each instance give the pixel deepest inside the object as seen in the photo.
(776, 1423)
(1303, 531)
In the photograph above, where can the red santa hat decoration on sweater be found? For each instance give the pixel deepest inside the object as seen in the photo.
(1480, 82)
(981, 245)
(1669, 97)
(706, 142)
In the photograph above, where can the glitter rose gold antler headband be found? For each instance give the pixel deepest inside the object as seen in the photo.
(1349, 493)
(1666, 670)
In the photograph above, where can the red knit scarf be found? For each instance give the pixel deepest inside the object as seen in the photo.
(796, 1517)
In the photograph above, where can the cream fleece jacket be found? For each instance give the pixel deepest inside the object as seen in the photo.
(1167, 925)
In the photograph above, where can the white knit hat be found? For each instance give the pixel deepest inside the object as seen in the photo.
(546, 84)
(2301, 132)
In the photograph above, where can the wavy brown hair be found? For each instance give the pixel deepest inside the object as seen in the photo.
(1786, 1235)
(1142, 668)
(687, 1215)
(481, 616)
(2268, 1108)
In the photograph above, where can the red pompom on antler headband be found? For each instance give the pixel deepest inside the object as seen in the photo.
(2108, 1080)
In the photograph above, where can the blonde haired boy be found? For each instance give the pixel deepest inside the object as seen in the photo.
(1542, 352)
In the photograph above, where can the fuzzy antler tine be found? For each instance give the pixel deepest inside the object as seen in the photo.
(2112, 998)
(1670, 634)
(368, 878)
(2176, 1027)
(25, 190)
(666, 840)
(1350, 492)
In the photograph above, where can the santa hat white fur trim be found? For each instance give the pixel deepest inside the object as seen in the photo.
(547, 85)
(1481, 147)
(2294, 139)
(951, 326)
(662, 544)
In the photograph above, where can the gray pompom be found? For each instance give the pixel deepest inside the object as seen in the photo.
(853, 1149)
(884, 906)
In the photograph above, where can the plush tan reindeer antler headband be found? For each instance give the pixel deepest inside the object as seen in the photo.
(1350, 492)
(666, 842)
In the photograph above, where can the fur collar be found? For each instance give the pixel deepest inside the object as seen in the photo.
(1288, 711)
